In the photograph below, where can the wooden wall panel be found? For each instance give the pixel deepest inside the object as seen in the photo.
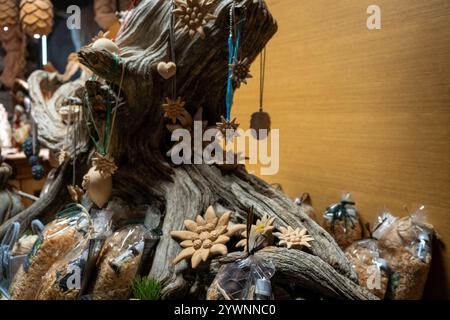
(363, 111)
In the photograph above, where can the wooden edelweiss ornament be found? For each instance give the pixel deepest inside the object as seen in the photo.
(76, 193)
(241, 72)
(98, 181)
(260, 121)
(293, 238)
(36, 17)
(204, 237)
(193, 15)
(174, 109)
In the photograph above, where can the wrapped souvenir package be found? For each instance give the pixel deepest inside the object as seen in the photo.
(68, 277)
(58, 238)
(118, 263)
(372, 270)
(246, 279)
(341, 220)
(406, 245)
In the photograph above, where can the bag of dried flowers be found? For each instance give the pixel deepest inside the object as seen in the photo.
(57, 239)
(245, 279)
(69, 277)
(119, 262)
(406, 245)
(341, 220)
(372, 270)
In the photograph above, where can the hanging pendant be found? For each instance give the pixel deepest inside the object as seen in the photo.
(98, 181)
(174, 109)
(241, 72)
(98, 187)
(167, 69)
(260, 121)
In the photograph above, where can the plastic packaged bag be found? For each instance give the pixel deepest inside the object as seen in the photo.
(406, 245)
(58, 238)
(69, 277)
(372, 270)
(6, 246)
(246, 279)
(341, 220)
(119, 262)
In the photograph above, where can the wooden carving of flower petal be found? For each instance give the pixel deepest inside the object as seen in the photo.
(210, 215)
(222, 239)
(241, 243)
(183, 235)
(184, 254)
(223, 221)
(302, 233)
(235, 229)
(196, 259)
(190, 225)
(200, 221)
(283, 229)
(219, 249)
(204, 253)
(186, 243)
(278, 234)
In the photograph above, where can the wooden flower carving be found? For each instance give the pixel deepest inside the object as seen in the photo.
(293, 238)
(174, 109)
(204, 237)
(263, 227)
(104, 164)
(193, 15)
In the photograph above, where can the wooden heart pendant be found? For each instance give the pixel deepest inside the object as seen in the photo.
(167, 69)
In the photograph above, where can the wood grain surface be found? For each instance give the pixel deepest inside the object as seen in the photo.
(366, 111)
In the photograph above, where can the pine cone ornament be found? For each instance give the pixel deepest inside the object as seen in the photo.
(33, 160)
(36, 17)
(27, 147)
(9, 14)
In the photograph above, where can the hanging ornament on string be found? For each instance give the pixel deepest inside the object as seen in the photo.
(173, 107)
(98, 181)
(193, 15)
(233, 49)
(260, 121)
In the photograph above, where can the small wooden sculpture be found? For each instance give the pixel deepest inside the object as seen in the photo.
(193, 15)
(293, 238)
(205, 236)
(264, 227)
(14, 44)
(36, 17)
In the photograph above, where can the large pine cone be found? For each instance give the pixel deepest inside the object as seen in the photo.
(36, 17)
(9, 14)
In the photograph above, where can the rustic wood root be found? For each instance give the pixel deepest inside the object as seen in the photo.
(308, 272)
(140, 141)
(204, 185)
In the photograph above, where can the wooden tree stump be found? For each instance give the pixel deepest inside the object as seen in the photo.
(140, 142)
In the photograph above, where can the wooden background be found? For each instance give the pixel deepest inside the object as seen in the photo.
(362, 111)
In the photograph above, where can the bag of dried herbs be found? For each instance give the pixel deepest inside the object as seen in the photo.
(69, 277)
(118, 263)
(406, 245)
(57, 239)
(371, 269)
(248, 277)
(341, 220)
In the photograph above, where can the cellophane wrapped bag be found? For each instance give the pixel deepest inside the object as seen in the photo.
(118, 263)
(58, 238)
(245, 279)
(341, 220)
(372, 270)
(406, 245)
(68, 277)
